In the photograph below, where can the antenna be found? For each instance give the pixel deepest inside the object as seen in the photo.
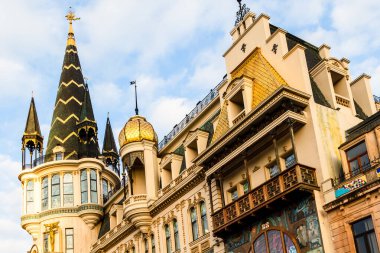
(136, 109)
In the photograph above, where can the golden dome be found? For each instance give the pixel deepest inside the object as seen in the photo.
(137, 129)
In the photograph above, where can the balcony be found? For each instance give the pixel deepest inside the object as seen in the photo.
(340, 100)
(358, 178)
(239, 117)
(283, 186)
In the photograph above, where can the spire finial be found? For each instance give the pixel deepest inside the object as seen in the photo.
(32, 94)
(136, 109)
(243, 10)
(108, 115)
(71, 17)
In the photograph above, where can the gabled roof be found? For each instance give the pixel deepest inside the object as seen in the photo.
(32, 124)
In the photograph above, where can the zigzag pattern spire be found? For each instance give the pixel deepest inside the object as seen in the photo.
(69, 101)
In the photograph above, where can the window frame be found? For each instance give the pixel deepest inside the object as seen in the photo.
(93, 193)
(66, 186)
(282, 231)
(204, 220)
(194, 223)
(45, 191)
(29, 194)
(84, 186)
(177, 243)
(357, 158)
(153, 244)
(69, 235)
(53, 186)
(365, 234)
(168, 238)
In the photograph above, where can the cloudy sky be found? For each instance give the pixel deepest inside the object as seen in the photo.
(172, 48)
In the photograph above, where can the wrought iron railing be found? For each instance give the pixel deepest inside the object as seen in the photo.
(374, 164)
(201, 105)
(261, 195)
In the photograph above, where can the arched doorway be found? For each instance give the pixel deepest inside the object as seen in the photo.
(274, 240)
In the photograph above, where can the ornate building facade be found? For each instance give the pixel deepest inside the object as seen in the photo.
(256, 166)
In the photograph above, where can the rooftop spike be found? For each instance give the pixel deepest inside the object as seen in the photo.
(71, 17)
(109, 144)
(137, 108)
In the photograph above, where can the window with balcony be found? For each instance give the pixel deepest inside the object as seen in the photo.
(176, 235)
(30, 197)
(194, 223)
(245, 186)
(69, 236)
(83, 186)
(168, 241)
(234, 195)
(274, 170)
(44, 194)
(289, 160)
(68, 191)
(93, 186)
(365, 237)
(357, 158)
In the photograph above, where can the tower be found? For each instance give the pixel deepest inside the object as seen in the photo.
(32, 139)
(62, 191)
(73, 131)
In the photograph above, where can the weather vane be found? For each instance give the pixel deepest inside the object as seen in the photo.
(243, 10)
(136, 109)
(71, 16)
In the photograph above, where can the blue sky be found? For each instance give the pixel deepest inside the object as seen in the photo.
(172, 48)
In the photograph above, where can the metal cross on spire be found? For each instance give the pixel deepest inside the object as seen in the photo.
(243, 10)
(136, 109)
(71, 16)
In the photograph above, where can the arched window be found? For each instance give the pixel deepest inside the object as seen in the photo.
(194, 223)
(167, 236)
(68, 192)
(176, 235)
(55, 191)
(83, 186)
(105, 189)
(30, 197)
(153, 243)
(44, 193)
(93, 187)
(202, 207)
(274, 240)
(146, 245)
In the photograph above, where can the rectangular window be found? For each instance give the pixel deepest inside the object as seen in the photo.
(46, 242)
(105, 190)
(58, 156)
(55, 191)
(69, 240)
(83, 186)
(30, 197)
(153, 243)
(357, 158)
(44, 193)
(68, 191)
(365, 237)
(93, 187)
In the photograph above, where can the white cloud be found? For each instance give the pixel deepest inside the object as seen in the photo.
(12, 237)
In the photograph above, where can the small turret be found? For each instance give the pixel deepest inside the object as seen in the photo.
(87, 129)
(32, 139)
(109, 152)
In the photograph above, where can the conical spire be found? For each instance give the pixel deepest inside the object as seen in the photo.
(68, 104)
(32, 125)
(86, 112)
(109, 144)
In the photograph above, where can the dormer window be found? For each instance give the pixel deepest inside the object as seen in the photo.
(59, 156)
(237, 107)
(194, 144)
(340, 89)
(170, 168)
